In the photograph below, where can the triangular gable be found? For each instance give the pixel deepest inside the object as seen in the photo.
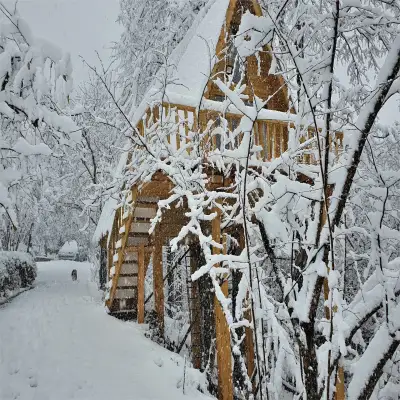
(194, 58)
(257, 77)
(201, 55)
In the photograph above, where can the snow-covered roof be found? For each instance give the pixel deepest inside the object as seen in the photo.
(69, 247)
(190, 63)
(194, 58)
(106, 220)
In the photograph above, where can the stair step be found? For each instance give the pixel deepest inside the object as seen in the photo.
(127, 281)
(129, 269)
(126, 294)
(144, 212)
(140, 227)
(133, 250)
(135, 234)
(131, 254)
(124, 305)
(140, 219)
(146, 201)
(134, 287)
(130, 261)
(137, 241)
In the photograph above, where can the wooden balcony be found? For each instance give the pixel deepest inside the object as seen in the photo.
(272, 135)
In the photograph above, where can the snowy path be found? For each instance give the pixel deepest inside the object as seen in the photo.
(57, 343)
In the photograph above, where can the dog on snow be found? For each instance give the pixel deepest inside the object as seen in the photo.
(74, 274)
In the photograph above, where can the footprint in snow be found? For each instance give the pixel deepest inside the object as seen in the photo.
(33, 383)
(9, 394)
(159, 362)
(12, 370)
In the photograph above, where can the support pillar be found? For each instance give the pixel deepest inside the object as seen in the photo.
(324, 219)
(340, 389)
(195, 310)
(249, 339)
(223, 337)
(249, 343)
(110, 255)
(140, 285)
(158, 283)
(103, 264)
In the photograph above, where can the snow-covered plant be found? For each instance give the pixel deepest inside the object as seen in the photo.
(35, 84)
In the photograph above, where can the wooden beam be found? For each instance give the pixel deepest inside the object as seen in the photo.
(223, 337)
(195, 309)
(223, 342)
(328, 194)
(249, 345)
(140, 285)
(340, 393)
(179, 107)
(270, 137)
(109, 258)
(257, 8)
(158, 282)
(340, 387)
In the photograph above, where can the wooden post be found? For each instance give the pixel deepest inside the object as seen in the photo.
(249, 343)
(104, 260)
(270, 139)
(340, 389)
(158, 283)
(223, 350)
(257, 8)
(110, 254)
(140, 285)
(249, 340)
(324, 218)
(195, 308)
(223, 338)
(277, 140)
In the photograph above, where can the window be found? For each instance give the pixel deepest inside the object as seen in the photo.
(233, 63)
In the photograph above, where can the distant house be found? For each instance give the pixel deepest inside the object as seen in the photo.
(69, 251)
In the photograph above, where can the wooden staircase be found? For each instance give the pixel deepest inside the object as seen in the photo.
(133, 234)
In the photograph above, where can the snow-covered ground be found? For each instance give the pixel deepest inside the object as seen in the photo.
(57, 343)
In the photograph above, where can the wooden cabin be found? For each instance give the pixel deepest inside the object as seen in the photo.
(192, 98)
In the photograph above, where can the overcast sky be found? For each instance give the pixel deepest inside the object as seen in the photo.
(79, 27)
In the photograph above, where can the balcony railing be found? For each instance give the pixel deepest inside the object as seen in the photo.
(271, 135)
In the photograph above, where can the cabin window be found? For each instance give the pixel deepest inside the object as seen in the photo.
(232, 60)
(218, 133)
(233, 64)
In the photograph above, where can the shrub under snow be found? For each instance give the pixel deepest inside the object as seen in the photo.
(17, 271)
